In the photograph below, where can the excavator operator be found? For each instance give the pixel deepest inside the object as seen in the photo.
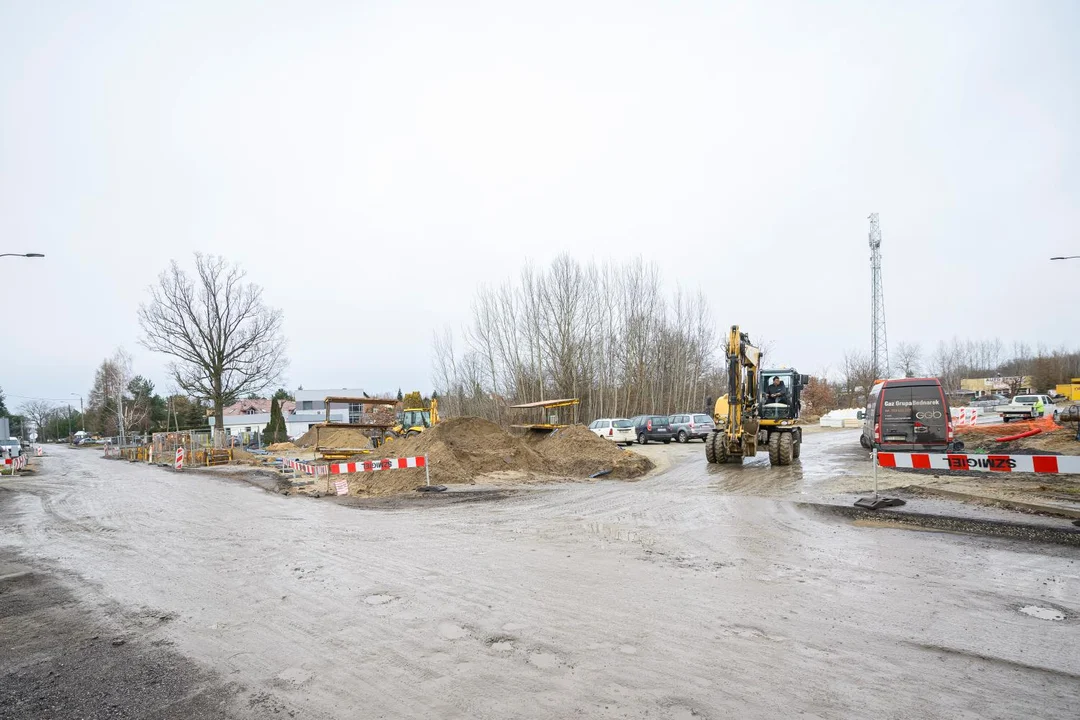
(776, 391)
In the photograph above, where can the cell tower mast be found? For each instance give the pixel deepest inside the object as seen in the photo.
(879, 344)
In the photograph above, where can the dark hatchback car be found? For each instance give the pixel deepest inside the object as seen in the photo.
(653, 427)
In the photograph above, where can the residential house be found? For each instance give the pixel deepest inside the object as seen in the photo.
(250, 416)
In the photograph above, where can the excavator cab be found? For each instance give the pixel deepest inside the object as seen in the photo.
(780, 401)
(416, 419)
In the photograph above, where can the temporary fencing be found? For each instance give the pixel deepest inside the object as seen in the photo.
(1060, 464)
(201, 448)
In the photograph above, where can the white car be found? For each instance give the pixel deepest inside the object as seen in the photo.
(617, 430)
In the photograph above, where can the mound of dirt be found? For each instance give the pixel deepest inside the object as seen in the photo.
(281, 446)
(351, 438)
(461, 449)
(578, 452)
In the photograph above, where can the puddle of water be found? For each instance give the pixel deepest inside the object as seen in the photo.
(1042, 613)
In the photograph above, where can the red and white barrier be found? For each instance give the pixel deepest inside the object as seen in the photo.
(383, 464)
(1061, 464)
(179, 458)
(965, 416)
(355, 467)
(16, 463)
(39, 451)
(306, 468)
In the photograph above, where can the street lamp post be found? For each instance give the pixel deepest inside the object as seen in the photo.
(30, 255)
(1070, 257)
(82, 415)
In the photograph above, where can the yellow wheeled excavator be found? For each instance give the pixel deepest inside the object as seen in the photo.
(761, 408)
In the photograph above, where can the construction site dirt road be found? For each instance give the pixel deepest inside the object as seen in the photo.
(698, 592)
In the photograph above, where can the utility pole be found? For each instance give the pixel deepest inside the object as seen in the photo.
(879, 344)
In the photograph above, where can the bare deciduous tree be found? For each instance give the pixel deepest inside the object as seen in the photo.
(605, 334)
(225, 341)
(38, 412)
(908, 358)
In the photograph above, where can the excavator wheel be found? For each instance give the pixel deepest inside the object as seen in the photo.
(720, 449)
(787, 447)
(411, 433)
(710, 448)
(796, 449)
(774, 449)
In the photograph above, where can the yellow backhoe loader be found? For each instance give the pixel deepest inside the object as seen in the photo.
(761, 408)
(415, 418)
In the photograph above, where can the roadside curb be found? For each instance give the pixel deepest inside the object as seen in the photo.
(951, 523)
(1007, 504)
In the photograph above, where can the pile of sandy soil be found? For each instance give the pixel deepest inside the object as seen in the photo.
(351, 438)
(576, 451)
(276, 447)
(461, 450)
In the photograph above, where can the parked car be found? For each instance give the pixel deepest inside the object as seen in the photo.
(652, 427)
(617, 430)
(1022, 407)
(908, 415)
(10, 447)
(988, 402)
(688, 426)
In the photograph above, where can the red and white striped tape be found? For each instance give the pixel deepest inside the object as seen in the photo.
(16, 463)
(1061, 464)
(355, 467)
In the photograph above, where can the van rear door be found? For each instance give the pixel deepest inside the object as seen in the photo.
(913, 415)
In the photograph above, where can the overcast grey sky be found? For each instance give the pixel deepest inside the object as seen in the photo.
(339, 149)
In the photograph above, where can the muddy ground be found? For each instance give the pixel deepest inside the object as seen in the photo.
(699, 591)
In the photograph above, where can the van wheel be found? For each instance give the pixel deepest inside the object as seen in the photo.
(864, 442)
